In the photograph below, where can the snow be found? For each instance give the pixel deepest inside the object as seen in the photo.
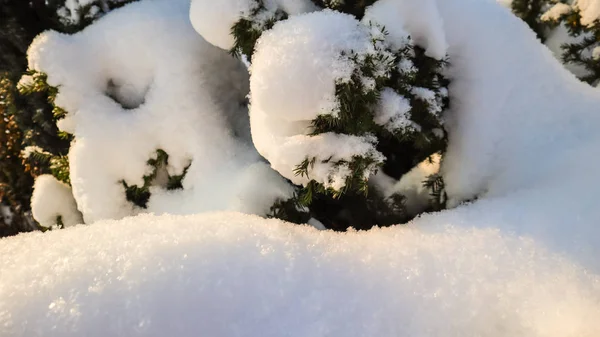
(6, 215)
(418, 197)
(589, 11)
(213, 19)
(596, 53)
(130, 83)
(556, 11)
(228, 274)
(506, 134)
(71, 12)
(52, 203)
(295, 69)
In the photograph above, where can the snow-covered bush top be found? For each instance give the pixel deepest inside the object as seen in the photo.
(329, 76)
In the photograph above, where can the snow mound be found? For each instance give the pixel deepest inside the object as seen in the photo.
(141, 80)
(231, 275)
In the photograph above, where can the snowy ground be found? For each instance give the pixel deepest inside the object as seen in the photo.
(521, 260)
(227, 274)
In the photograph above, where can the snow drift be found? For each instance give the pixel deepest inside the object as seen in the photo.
(236, 275)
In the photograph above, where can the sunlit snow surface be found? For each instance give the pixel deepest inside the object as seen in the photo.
(236, 275)
(521, 260)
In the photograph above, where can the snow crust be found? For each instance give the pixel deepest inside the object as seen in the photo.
(139, 80)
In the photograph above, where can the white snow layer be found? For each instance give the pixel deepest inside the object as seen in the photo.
(237, 275)
(139, 80)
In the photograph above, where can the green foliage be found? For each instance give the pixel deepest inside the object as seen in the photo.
(247, 30)
(42, 161)
(140, 195)
(531, 11)
(30, 116)
(582, 53)
(358, 204)
(354, 7)
(435, 184)
(291, 210)
(587, 38)
(15, 183)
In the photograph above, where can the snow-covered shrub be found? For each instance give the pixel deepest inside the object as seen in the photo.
(157, 117)
(336, 99)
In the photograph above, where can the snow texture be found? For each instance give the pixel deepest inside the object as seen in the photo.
(139, 80)
(52, 203)
(213, 20)
(237, 275)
